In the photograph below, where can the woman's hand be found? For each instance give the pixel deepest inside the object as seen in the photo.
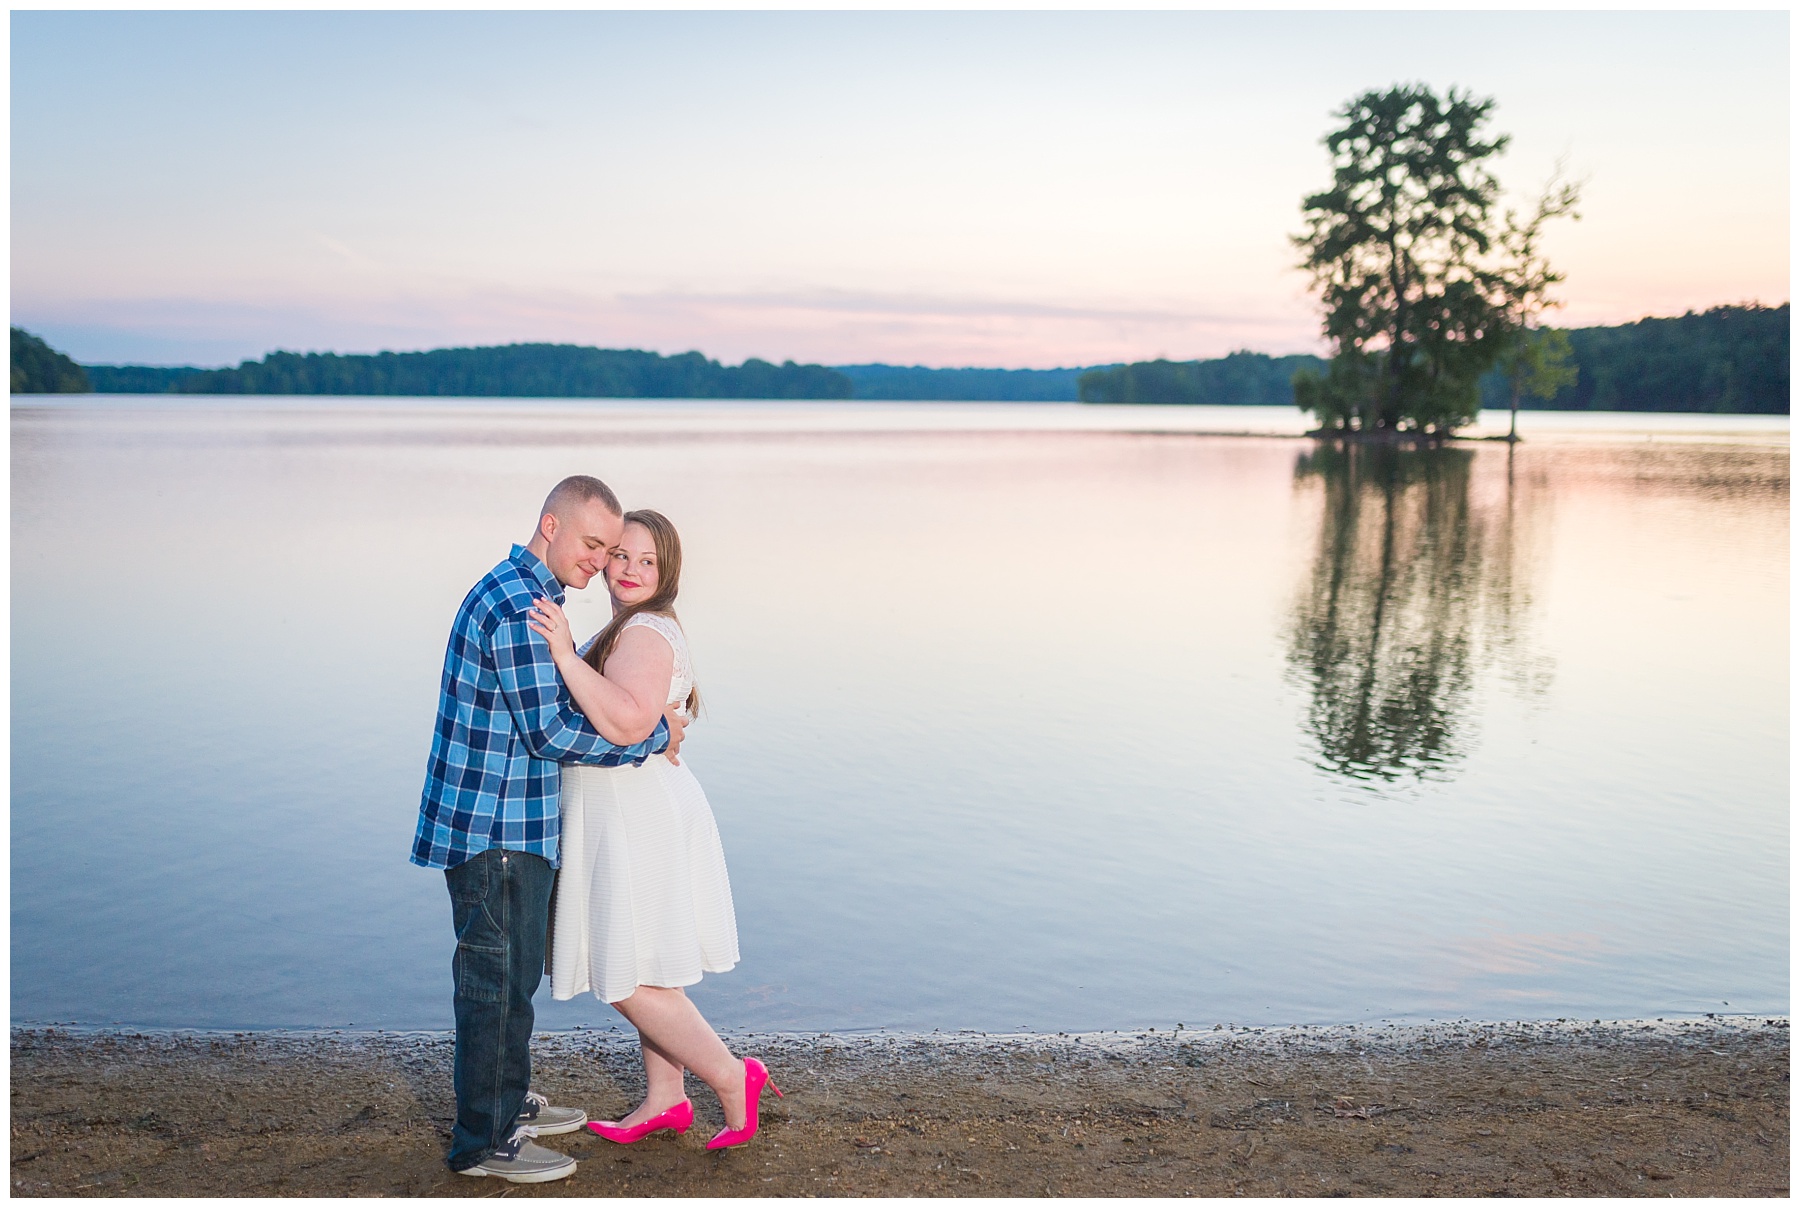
(547, 618)
(677, 729)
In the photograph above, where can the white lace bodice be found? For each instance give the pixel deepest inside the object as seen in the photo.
(682, 682)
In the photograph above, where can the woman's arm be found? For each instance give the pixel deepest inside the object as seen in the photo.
(542, 709)
(626, 702)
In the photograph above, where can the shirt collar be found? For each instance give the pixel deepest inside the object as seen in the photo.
(532, 565)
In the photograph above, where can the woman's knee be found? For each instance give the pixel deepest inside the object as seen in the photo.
(643, 995)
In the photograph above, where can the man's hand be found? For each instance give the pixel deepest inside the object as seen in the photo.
(677, 724)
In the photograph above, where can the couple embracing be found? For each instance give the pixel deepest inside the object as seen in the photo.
(554, 785)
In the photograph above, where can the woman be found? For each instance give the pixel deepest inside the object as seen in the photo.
(643, 903)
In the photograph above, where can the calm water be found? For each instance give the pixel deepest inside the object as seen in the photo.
(1015, 721)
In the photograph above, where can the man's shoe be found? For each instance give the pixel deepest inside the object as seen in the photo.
(549, 1121)
(518, 1160)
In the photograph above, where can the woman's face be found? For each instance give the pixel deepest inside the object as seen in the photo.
(631, 571)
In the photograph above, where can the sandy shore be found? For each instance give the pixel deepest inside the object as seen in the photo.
(1635, 1108)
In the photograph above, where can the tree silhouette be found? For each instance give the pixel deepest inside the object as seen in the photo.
(1420, 280)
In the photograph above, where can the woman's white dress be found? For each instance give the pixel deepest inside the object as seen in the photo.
(642, 898)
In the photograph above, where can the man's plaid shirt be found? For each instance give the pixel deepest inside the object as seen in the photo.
(505, 726)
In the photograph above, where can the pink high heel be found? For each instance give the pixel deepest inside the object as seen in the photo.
(756, 1076)
(680, 1118)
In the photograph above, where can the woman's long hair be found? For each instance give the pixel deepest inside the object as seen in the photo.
(662, 600)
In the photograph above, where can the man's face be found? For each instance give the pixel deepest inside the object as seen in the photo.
(579, 542)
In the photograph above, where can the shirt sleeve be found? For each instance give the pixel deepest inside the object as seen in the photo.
(543, 711)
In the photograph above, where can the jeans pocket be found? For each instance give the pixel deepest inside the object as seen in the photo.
(480, 973)
(468, 881)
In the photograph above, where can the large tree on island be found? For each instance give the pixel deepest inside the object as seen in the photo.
(1411, 262)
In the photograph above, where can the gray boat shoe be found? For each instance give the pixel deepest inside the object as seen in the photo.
(549, 1121)
(518, 1160)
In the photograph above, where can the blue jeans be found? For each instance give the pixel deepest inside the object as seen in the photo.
(500, 902)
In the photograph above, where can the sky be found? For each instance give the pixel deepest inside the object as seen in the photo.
(1021, 189)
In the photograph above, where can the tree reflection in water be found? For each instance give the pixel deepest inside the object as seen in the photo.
(1417, 581)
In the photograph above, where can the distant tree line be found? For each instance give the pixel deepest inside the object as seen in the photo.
(514, 370)
(1728, 359)
(1240, 379)
(38, 368)
(141, 379)
(917, 383)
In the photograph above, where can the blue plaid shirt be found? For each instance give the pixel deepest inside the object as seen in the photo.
(505, 726)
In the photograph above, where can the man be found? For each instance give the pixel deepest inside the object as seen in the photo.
(488, 817)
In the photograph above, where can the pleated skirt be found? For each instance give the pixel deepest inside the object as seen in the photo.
(642, 897)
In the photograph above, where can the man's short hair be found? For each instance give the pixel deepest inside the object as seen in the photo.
(578, 490)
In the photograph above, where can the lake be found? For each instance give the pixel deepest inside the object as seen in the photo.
(1018, 716)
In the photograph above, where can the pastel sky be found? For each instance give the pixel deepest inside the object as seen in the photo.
(938, 188)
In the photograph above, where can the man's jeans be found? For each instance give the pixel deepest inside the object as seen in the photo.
(500, 901)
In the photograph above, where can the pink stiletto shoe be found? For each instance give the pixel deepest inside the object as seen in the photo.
(756, 1076)
(680, 1118)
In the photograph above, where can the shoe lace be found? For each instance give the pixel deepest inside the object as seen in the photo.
(535, 1102)
(509, 1148)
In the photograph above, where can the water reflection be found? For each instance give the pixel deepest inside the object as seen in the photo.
(1415, 583)
(941, 818)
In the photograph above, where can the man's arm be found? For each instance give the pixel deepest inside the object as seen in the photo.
(541, 708)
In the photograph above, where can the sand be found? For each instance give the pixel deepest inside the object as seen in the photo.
(1696, 1107)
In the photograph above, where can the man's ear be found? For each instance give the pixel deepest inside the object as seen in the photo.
(547, 526)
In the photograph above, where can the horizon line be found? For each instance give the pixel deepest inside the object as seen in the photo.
(1747, 305)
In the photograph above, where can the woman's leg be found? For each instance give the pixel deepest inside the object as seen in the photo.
(664, 1086)
(669, 1023)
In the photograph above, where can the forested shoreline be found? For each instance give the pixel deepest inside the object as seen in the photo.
(1730, 359)
(38, 368)
(507, 371)
(1239, 379)
(916, 383)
